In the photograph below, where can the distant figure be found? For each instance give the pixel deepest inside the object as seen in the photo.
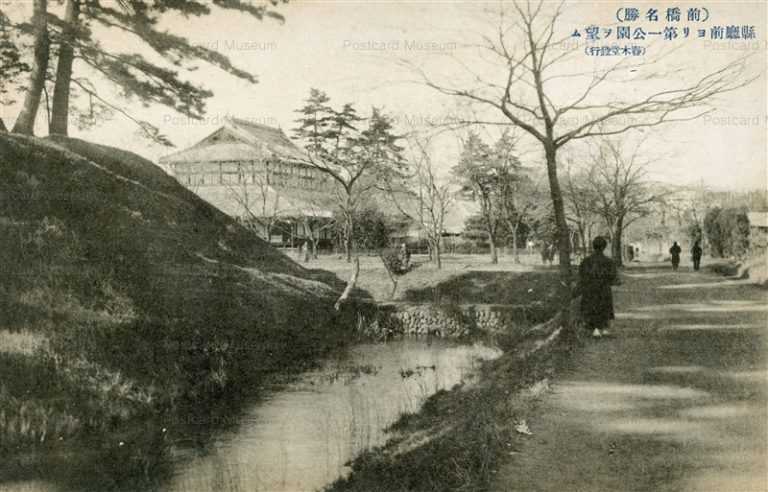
(547, 253)
(405, 257)
(696, 252)
(630, 253)
(675, 251)
(596, 275)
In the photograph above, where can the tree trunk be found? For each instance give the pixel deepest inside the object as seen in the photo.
(515, 253)
(391, 275)
(350, 285)
(348, 238)
(494, 253)
(60, 107)
(25, 123)
(435, 252)
(307, 240)
(616, 249)
(563, 239)
(582, 240)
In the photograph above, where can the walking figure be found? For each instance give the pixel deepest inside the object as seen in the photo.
(696, 252)
(596, 275)
(675, 251)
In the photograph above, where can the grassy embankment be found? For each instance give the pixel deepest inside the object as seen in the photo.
(129, 304)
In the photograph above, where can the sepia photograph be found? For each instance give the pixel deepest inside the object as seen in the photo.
(383, 246)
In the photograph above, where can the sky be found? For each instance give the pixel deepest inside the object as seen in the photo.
(365, 53)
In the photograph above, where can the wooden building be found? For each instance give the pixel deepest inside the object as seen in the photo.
(256, 174)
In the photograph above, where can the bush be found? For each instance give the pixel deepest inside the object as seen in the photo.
(395, 262)
(727, 231)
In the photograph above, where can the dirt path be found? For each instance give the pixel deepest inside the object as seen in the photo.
(676, 400)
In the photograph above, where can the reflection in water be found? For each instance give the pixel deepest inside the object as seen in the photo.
(302, 437)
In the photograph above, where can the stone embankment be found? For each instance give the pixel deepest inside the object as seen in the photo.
(450, 320)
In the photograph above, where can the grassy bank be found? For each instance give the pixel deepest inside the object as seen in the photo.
(464, 279)
(129, 305)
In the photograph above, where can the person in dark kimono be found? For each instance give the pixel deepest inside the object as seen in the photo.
(675, 251)
(696, 252)
(596, 275)
(545, 258)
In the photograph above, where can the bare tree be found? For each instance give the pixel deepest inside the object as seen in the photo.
(264, 204)
(580, 205)
(690, 205)
(528, 63)
(259, 202)
(433, 200)
(620, 189)
(316, 220)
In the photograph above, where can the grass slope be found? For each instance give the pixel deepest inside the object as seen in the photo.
(126, 301)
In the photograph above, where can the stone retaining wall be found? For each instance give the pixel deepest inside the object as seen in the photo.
(450, 320)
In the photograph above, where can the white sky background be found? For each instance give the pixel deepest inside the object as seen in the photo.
(336, 47)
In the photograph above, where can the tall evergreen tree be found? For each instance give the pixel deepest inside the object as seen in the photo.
(136, 77)
(11, 64)
(25, 122)
(477, 175)
(358, 161)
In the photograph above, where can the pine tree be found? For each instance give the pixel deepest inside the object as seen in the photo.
(11, 64)
(357, 161)
(478, 178)
(136, 77)
(25, 122)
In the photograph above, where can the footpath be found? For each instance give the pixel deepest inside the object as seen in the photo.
(675, 400)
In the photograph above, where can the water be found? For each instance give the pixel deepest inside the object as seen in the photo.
(301, 437)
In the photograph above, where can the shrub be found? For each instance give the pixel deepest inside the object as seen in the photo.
(394, 261)
(727, 231)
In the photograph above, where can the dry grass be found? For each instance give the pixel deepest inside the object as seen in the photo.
(126, 300)
(21, 342)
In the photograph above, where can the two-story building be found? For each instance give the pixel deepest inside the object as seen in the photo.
(256, 174)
